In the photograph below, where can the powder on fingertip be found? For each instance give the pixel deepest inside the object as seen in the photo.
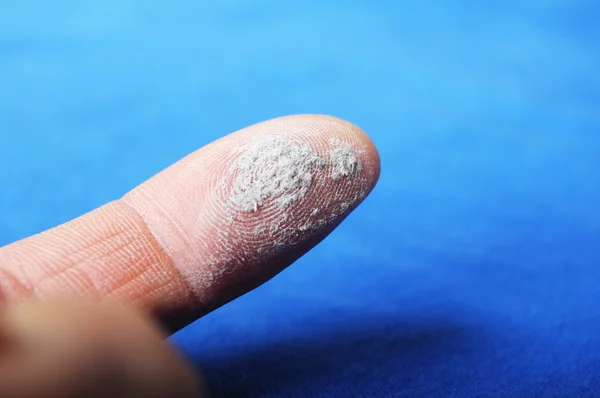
(343, 159)
(272, 168)
(281, 170)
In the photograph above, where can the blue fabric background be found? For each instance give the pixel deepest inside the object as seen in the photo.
(474, 268)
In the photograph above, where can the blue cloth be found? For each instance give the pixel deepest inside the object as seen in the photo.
(472, 271)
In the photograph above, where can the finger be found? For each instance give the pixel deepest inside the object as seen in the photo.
(209, 228)
(68, 349)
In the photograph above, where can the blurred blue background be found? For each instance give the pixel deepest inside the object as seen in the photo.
(473, 270)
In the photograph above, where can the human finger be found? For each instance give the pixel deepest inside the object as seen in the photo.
(209, 228)
(88, 349)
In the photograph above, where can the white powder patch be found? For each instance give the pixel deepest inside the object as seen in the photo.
(345, 206)
(315, 226)
(273, 168)
(260, 229)
(280, 172)
(343, 159)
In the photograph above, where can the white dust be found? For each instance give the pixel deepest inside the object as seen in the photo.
(275, 169)
(281, 171)
(343, 160)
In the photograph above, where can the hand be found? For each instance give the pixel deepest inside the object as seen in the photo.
(87, 305)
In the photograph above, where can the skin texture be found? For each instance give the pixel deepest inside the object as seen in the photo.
(91, 301)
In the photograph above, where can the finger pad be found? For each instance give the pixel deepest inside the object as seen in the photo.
(244, 207)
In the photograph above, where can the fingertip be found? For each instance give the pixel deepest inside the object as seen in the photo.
(249, 204)
(209, 228)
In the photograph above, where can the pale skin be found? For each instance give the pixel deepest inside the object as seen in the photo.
(86, 306)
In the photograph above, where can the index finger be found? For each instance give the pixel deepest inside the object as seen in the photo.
(211, 227)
